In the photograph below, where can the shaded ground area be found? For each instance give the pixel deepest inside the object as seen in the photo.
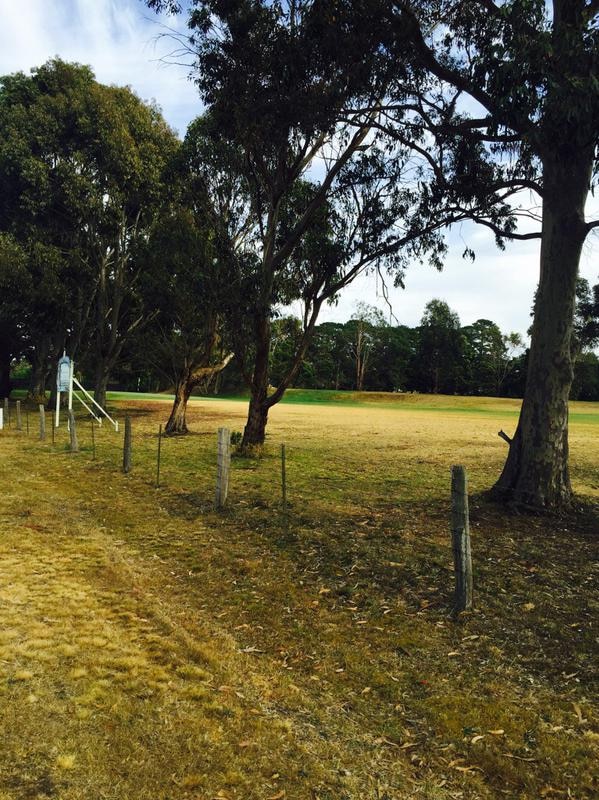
(150, 647)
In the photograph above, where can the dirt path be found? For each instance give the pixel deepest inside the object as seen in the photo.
(114, 685)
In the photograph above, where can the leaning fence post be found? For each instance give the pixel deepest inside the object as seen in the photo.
(73, 433)
(19, 422)
(223, 463)
(127, 445)
(460, 538)
(42, 423)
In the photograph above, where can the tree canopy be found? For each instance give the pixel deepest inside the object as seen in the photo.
(81, 166)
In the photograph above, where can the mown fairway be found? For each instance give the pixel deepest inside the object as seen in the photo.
(152, 648)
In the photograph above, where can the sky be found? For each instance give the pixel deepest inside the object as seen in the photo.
(124, 43)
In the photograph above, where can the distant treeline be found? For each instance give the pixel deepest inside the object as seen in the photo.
(438, 356)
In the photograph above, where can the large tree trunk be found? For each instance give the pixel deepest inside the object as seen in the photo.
(39, 372)
(254, 432)
(101, 382)
(177, 422)
(536, 471)
(187, 382)
(37, 387)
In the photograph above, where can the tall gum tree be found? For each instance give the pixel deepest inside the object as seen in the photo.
(530, 69)
(129, 156)
(44, 124)
(184, 342)
(15, 307)
(297, 88)
(81, 176)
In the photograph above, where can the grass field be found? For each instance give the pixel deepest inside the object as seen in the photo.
(151, 647)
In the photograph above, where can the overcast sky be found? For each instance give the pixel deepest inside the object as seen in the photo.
(120, 40)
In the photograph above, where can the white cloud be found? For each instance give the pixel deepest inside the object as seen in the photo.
(117, 38)
(499, 285)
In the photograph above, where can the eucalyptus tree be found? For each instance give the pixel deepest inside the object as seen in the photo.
(365, 324)
(586, 317)
(128, 156)
(80, 169)
(15, 289)
(440, 350)
(296, 89)
(517, 80)
(44, 123)
(186, 340)
(490, 355)
(330, 355)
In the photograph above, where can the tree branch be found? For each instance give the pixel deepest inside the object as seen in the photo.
(505, 234)
(442, 72)
(298, 359)
(591, 10)
(452, 76)
(319, 198)
(200, 373)
(494, 11)
(517, 183)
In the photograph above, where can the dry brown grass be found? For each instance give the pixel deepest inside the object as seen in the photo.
(151, 648)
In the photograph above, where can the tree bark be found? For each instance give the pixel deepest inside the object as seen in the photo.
(101, 383)
(37, 386)
(40, 369)
(536, 470)
(254, 432)
(177, 422)
(187, 382)
(4, 375)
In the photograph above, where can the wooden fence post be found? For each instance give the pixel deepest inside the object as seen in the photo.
(158, 456)
(73, 433)
(93, 440)
(1, 418)
(127, 445)
(460, 538)
(6, 412)
(19, 421)
(42, 423)
(284, 478)
(223, 463)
